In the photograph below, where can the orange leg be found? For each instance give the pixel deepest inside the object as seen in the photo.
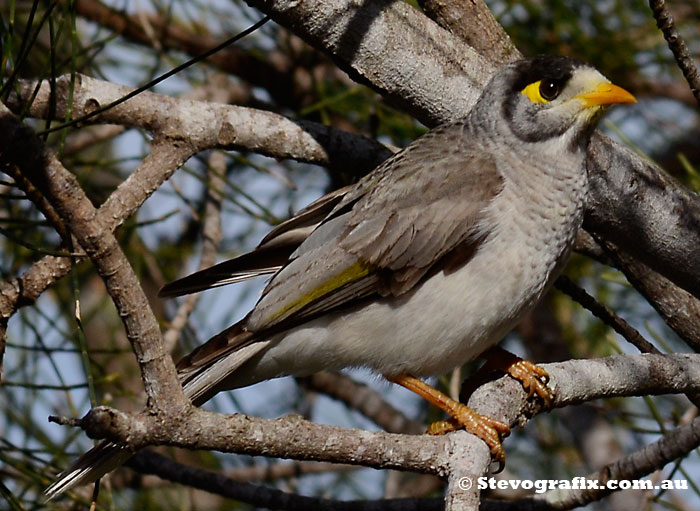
(532, 377)
(489, 430)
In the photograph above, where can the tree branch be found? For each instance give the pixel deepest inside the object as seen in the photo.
(393, 48)
(675, 41)
(473, 23)
(457, 455)
(19, 147)
(208, 125)
(436, 77)
(264, 497)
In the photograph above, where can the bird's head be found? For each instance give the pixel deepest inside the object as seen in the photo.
(546, 97)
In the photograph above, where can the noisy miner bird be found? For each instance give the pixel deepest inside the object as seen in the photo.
(422, 265)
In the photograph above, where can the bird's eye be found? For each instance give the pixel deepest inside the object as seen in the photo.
(549, 89)
(543, 91)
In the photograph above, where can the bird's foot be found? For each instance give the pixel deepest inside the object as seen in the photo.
(532, 377)
(489, 430)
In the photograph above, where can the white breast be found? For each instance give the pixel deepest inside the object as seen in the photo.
(449, 318)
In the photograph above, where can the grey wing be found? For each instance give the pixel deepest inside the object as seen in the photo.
(430, 213)
(307, 219)
(389, 231)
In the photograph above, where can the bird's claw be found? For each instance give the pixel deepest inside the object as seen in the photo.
(491, 431)
(533, 378)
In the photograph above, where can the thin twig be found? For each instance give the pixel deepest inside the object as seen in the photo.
(263, 497)
(676, 43)
(211, 230)
(600, 311)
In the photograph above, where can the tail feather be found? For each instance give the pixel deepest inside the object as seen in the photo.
(261, 261)
(92, 465)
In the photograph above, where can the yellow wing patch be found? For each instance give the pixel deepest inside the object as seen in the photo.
(352, 273)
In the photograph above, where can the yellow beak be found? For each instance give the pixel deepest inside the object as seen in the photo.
(607, 94)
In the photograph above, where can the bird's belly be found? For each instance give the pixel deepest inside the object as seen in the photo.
(444, 322)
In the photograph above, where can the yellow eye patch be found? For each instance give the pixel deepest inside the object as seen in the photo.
(532, 91)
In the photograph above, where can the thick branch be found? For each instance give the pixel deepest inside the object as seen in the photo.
(208, 125)
(394, 49)
(289, 437)
(473, 23)
(644, 211)
(407, 57)
(574, 381)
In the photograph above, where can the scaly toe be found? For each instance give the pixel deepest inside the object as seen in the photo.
(489, 430)
(534, 379)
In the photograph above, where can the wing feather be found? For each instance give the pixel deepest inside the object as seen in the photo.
(268, 257)
(397, 224)
(380, 237)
